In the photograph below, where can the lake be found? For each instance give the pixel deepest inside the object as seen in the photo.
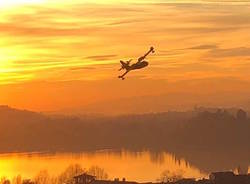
(134, 166)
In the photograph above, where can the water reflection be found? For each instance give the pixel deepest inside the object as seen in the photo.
(216, 160)
(137, 166)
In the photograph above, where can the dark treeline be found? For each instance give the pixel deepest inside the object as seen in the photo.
(210, 132)
(66, 177)
(29, 131)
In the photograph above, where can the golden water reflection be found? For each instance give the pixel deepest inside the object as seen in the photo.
(136, 166)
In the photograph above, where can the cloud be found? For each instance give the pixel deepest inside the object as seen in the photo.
(196, 31)
(231, 52)
(101, 57)
(176, 52)
(83, 68)
(125, 22)
(51, 40)
(203, 47)
(17, 29)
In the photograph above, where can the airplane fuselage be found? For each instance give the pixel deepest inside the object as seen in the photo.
(139, 65)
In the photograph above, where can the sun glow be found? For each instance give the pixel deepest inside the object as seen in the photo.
(4, 62)
(9, 3)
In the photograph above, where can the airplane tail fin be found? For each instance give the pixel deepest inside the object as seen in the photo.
(124, 65)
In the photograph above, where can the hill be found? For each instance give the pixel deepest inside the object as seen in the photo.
(195, 135)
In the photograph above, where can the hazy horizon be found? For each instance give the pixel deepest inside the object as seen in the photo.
(121, 99)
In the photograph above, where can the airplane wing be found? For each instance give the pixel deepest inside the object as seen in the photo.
(143, 57)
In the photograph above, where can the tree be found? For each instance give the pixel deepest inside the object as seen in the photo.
(70, 172)
(168, 176)
(17, 180)
(98, 172)
(4, 181)
(42, 178)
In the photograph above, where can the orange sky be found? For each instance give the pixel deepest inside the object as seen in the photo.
(65, 54)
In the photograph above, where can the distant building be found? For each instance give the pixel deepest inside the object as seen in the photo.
(214, 178)
(28, 182)
(89, 179)
(221, 176)
(229, 178)
(186, 181)
(84, 179)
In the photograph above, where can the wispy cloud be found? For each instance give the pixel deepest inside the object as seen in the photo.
(52, 38)
(230, 52)
(203, 47)
(101, 57)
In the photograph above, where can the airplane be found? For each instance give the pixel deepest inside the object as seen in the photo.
(141, 63)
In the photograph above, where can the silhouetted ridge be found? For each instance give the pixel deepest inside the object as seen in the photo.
(206, 133)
